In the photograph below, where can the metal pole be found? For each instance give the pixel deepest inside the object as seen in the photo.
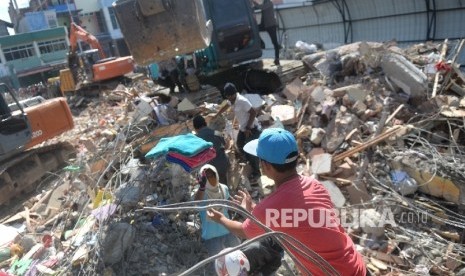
(71, 19)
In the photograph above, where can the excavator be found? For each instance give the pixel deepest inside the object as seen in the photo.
(92, 66)
(156, 30)
(222, 36)
(22, 162)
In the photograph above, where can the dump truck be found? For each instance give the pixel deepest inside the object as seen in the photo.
(91, 66)
(22, 161)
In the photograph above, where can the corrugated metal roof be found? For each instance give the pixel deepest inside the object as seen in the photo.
(377, 20)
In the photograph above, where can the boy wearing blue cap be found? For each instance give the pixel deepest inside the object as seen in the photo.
(300, 207)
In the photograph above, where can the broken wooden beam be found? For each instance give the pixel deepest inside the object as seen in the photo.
(368, 144)
(436, 77)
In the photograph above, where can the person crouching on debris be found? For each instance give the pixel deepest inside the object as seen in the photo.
(215, 236)
(221, 161)
(299, 207)
(249, 127)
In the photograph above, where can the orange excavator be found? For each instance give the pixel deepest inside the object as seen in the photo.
(22, 128)
(91, 66)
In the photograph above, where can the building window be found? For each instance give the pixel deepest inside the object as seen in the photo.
(101, 22)
(114, 22)
(19, 52)
(52, 21)
(52, 46)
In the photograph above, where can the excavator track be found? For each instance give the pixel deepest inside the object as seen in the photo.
(21, 173)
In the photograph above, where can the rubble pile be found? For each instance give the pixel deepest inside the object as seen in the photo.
(381, 127)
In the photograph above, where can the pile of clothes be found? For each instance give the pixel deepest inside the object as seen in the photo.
(186, 150)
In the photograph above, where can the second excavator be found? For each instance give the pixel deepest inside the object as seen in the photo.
(91, 66)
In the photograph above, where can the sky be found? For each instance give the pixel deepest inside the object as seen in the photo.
(4, 9)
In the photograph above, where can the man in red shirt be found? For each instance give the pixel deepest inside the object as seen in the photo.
(300, 207)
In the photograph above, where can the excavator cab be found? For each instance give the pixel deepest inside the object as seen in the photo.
(88, 59)
(220, 32)
(235, 36)
(15, 131)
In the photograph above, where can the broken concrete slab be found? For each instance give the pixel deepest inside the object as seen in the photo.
(405, 75)
(186, 105)
(117, 238)
(255, 99)
(317, 136)
(371, 222)
(337, 130)
(335, 193)
(285, 113)
(294, 90)
(357, 93)
(359, 108)
(318, 94)
(322, 163)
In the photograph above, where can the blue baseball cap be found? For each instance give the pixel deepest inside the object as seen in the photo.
(274, 146)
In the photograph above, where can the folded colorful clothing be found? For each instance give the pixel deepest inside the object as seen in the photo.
(200, 159)
(187, 144)
(179, 162)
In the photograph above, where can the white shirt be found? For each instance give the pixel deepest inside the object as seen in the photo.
(241, 109)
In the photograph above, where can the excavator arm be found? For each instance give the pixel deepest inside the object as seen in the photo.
(77, 32)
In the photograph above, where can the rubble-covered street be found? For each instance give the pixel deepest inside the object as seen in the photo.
(380, 126)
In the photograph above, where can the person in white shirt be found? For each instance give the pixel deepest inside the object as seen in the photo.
(249, 128)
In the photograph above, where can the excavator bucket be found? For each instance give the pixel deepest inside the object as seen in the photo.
(156, 30)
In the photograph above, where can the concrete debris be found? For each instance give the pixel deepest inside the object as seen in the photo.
(405, 75)
(116, 239)
(322, 163)
(367, 124)
(285, 113)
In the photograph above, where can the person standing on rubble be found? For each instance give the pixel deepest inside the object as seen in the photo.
(169, 75)
(297, 207)
(269, 24)
(215, 236)
(249, 128)
(221, 161)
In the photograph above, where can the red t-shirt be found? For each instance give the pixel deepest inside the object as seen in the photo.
(302, 208)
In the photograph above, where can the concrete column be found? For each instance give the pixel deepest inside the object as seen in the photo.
(106, 14)
(2, 56)
(36, 49)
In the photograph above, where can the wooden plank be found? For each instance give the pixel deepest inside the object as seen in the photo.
(368, 144)
(436, 78)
